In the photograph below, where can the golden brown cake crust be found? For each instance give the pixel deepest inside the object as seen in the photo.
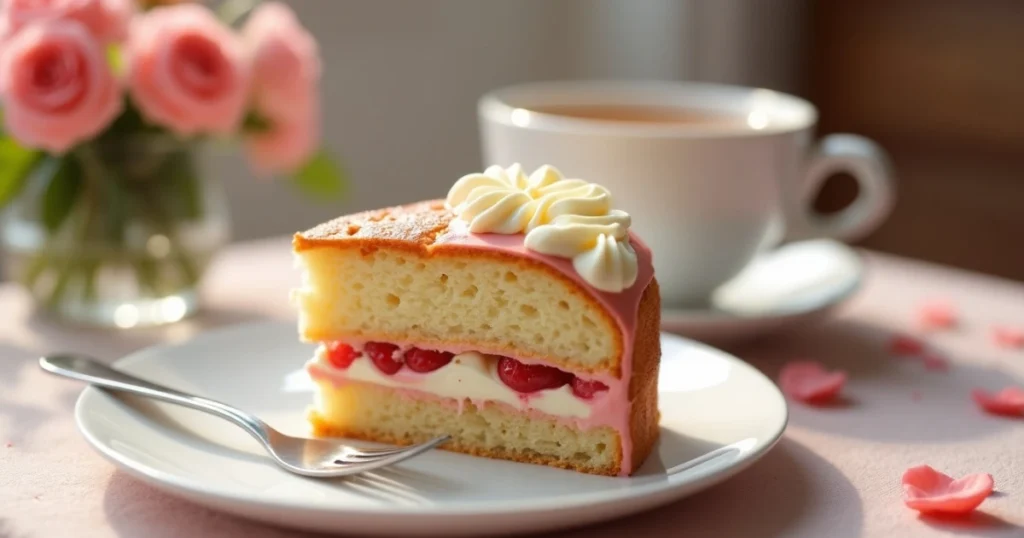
(414, 226)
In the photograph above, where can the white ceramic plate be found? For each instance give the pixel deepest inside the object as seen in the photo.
(719, 415)
(795, 284)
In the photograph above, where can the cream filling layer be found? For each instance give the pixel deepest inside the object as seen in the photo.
(470, 375)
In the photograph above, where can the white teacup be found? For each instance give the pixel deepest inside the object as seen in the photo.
(711, 174)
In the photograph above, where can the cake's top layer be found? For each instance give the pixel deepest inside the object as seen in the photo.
(428, 229)
(428, 226)
(567, 218)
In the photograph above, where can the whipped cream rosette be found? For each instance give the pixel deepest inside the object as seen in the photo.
(568, 218)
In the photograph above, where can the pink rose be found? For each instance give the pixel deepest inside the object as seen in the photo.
(286, 88)
(286, 61)
(56, 86)
(187, 71)
(286, 146)
(106, 19)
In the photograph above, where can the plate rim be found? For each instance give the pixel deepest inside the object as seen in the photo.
(654, 488)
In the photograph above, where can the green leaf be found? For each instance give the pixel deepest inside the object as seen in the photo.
(255, 123)
(322, 178)
(115, 59)
(231, 12)
(61, 193)
(15, 164)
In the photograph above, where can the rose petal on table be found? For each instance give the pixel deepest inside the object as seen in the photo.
(935, 362)
(1008, 337)
(929, 491)
(937, 315)
(1009, 401)
(904, 345)
(810, 382)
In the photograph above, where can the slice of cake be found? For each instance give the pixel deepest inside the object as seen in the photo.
(520, 316)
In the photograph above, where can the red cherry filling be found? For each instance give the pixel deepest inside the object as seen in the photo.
(530, 377)
(340, 355)
(425, 360)
(383, 356)
(587, 389)
(520, 377)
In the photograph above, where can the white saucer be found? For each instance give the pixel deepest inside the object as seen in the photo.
(719, 415)
(794, 284)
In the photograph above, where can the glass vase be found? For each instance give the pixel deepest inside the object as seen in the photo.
(116, 233)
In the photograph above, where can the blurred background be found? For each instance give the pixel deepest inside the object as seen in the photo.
(936, 82)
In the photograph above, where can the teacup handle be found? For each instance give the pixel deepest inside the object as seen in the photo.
(869, 165)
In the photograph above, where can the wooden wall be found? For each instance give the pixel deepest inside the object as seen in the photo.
(940, 83)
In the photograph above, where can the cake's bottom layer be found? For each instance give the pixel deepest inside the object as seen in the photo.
(375, 413)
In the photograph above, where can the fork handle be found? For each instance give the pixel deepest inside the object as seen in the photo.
(86, 369)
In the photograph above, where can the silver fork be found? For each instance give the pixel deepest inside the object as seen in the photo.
(309, 457)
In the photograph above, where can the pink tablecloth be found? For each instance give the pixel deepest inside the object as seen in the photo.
(835, 473)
